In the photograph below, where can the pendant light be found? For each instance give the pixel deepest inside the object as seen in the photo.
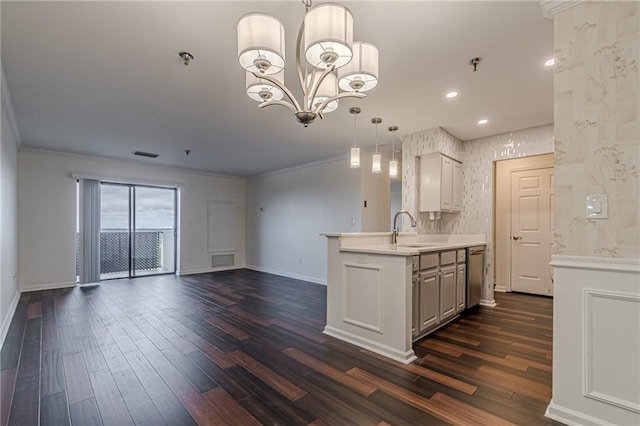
(355, 150)
(393, 163)
(376, 159)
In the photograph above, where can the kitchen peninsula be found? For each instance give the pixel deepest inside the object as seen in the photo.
(373, 297)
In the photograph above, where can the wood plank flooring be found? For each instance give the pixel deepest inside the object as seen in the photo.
(246, 348)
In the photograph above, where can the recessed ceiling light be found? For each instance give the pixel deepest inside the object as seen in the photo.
(483, 121)
(452, 95)
(550, 62)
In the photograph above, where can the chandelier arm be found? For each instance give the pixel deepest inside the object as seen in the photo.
(317, 84)
(324, 104)
(301, 73)
(278, 102)
(281, 87)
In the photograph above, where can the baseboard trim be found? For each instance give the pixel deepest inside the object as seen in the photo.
(6, 321)
(207, 270)
(500, 288)
(287, 274)
(52, 286)
(404, 357)
(571, 417)
(490, 303)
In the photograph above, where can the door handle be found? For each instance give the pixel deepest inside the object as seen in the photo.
(516, 238)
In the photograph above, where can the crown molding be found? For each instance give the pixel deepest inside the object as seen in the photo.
(550, 8)
(7, 107)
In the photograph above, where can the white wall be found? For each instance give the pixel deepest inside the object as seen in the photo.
(288, 209)
(8, 212)
(47, 212)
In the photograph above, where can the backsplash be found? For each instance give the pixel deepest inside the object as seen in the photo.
(597, 128)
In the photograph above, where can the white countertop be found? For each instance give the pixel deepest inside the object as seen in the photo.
(409, 243)
(403, 250)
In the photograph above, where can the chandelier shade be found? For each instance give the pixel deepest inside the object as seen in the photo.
(262, 90)
(328, 35)
(261, 43)
(328, 88)
(361, 74)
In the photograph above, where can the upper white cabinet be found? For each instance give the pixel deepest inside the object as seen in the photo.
(440, 184)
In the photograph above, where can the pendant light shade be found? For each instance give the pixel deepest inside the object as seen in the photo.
(327, 89)
(393, 163)
(261, 43)
(376, 163)
(261, 90)
(376, 159)
(328, 35)
(361, 74)
(393, 168)
(355, 158)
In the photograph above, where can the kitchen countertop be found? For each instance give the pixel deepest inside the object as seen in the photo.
(409, 243)
(404, 250)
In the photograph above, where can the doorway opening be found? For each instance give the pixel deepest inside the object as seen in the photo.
(523, 237)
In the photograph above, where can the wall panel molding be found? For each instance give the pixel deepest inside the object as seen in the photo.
(594, 343)
(363, 281)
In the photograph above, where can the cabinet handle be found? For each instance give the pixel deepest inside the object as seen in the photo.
(516, 238)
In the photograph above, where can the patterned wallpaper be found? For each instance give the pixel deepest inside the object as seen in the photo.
(597, 110)
(477, 158)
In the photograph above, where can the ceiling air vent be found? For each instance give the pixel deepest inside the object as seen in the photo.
(146, 154)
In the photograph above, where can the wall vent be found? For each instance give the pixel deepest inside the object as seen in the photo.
(146, 154)
(221, 260)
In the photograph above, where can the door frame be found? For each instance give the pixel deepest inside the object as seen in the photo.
(502, 209)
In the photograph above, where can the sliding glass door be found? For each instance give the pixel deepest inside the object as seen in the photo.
(137, 230)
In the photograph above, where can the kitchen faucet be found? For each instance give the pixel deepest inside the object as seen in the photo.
(394, 234)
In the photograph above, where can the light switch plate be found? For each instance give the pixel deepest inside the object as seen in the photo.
(597, 207)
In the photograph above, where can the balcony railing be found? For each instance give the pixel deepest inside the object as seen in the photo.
(153, 251)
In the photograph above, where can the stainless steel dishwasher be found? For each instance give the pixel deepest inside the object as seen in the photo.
(475, 274)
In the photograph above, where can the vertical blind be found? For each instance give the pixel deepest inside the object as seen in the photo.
(89, 231)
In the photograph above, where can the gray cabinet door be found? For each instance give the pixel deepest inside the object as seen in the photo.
(429, 298)
(415, 306)
(447, 292)
(461, 288)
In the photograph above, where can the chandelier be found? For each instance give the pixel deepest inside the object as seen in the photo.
(330, 65)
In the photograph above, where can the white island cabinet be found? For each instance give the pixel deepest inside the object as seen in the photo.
(371, 289)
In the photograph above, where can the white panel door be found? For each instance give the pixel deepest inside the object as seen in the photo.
(531, 230)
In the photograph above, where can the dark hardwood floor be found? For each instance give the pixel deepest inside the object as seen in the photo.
(247, 348)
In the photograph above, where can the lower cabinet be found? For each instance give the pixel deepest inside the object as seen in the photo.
(439, 292)
(429, 297)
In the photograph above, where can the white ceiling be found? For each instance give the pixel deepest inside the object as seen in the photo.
(104, 78)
